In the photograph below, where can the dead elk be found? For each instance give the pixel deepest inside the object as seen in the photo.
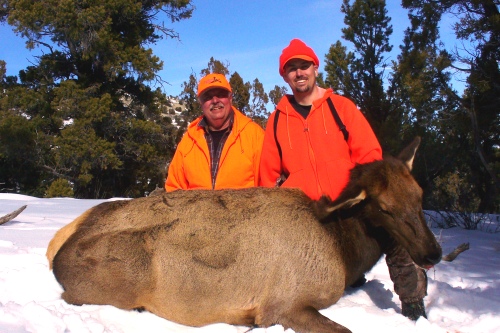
(254, 257)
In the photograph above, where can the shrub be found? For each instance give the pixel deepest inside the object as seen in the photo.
(59, 188)
(454, 195)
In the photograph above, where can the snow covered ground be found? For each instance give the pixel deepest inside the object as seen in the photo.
(464, 295)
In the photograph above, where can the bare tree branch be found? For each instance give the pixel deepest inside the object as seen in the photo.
(10, 216)
(454, 254)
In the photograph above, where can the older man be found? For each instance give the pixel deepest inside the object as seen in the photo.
(221, 148)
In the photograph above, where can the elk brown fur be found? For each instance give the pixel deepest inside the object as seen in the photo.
(254, 257)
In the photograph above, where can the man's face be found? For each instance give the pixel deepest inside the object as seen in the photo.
(216, 105)
(300, 75)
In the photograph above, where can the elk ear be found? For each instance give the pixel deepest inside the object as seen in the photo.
(408, 154)
(346, 200)
(324, 206)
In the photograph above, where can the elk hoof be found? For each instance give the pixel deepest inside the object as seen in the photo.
(413, 310)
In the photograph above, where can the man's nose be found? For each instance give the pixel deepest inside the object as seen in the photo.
(299, 72)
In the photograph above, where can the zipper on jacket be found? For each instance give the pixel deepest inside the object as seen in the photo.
(312, 158)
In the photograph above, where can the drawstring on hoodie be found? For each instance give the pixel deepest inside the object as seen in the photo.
(288, 126)
(288, 129)
(324, 120)
(241, 144)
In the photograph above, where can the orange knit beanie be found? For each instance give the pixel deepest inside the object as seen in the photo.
(297, 49)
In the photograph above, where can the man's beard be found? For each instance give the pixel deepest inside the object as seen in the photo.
(303, 89)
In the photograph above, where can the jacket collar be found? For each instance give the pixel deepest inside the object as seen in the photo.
(286, 107)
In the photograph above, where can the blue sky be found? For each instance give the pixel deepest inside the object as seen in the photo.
(249, 35)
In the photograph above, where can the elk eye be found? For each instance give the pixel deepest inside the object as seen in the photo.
(384, 211)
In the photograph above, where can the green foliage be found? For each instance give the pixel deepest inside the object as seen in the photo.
(359, 75)
(452, 192)
(241, 93)
(18, 155)
(190, 100)
(3, 69)
(420, 84)
(81, 154)
(89, 115)
(59, 188)
(320, 81)
(460, 133)
(260, 99)
(458, 203)
(337, 67)
(276, 94)
(84, 116)
(215, 66)
(470, 128)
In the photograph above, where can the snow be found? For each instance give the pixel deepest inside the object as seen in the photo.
(463, 295)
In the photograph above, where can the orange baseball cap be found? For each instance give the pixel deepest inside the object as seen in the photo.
(297, 49)
(213, 80)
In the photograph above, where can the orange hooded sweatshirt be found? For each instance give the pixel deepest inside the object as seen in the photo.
(315, 155)
(239, 160)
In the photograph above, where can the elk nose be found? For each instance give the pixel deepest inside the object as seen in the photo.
(434, 258)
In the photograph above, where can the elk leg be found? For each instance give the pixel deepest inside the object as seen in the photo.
(308, 319)
(410, 281)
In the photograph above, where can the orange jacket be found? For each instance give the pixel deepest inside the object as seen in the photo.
(239, 161)
(314, 152)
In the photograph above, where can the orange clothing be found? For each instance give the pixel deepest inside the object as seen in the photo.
(315, 155)
(239, 160)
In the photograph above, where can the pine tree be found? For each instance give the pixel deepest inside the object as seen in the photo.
(260, 99)
(420, 79)
(190, 100)
(89, 96)
(276, 94)
(241, 93)
(478, 25)
(360, 75)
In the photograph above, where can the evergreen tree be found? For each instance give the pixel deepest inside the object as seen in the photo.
(96, 119)
(420, 81)
(216, 66)
(320, 81)
(360, 75)
(478, 24)
(21, 144)
(18, 168)
(258, 111)
(276, 94)
(190, 100)
(241, 93)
